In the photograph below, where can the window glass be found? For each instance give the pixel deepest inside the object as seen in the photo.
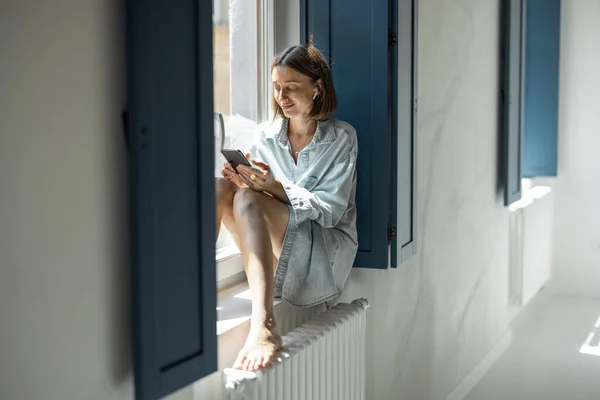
(240, 60)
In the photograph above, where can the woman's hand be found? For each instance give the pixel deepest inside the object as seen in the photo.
(260, 179)
(231, 175)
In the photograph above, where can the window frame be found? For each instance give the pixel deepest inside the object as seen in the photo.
(404, 123)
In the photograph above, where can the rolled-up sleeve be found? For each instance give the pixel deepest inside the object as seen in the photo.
(328, 201)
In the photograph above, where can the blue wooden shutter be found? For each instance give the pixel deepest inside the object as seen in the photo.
(170, 91)
(540, 111)
(512, 99)
(354, 35)
(403, 113)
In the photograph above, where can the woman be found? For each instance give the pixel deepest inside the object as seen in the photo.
(295, 209)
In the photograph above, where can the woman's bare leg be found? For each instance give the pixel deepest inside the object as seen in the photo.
(261, 223)
(264, 220)
(225, 193)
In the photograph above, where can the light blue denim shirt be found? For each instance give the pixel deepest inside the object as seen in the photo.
(321, 241)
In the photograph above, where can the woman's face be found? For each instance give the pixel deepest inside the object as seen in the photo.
(293, 91)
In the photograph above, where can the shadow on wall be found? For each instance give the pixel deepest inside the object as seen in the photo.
(119, 326)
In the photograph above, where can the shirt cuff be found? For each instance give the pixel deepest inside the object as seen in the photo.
(300, 203)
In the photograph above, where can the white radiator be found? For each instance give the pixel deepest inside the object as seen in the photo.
(324, 359)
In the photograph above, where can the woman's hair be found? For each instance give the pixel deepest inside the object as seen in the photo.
(309, 61)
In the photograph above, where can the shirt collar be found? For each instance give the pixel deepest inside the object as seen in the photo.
(325, 133)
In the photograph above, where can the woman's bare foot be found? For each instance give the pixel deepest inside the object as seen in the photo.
(261, 346)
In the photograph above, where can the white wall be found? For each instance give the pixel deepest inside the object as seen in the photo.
(537, 246)
(434, 318)
(576, 268)
(64, 321)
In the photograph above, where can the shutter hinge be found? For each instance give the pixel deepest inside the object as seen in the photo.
(392, 39)
(125, 126)
(391, 233)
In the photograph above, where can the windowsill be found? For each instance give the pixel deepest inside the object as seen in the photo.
(530, 195)
(234, 304)
(229, 263)
(234, 310)
(234, 307)
(226, 252)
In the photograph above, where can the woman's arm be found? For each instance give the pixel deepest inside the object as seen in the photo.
(325, 204)
(263, 181)
(328, 201)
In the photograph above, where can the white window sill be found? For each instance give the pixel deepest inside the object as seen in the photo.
(530, 195)
(233, 297)
(229, 262)
(234, 304)
(234, 307)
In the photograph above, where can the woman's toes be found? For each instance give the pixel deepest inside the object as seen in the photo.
(264, 362)
(239, 362)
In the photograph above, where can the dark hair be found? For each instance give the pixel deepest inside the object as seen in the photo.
(309, 61)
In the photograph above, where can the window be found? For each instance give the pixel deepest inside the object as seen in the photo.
(172, 95)
(530, 92)
(242, 51)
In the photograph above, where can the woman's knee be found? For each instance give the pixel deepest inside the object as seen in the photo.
(225, 191)
(247, 201)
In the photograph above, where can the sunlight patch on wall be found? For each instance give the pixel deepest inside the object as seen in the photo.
(592, 343)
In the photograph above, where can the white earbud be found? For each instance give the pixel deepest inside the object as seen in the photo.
(315, 93)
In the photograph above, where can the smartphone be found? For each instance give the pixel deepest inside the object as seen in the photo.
(235, 158)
